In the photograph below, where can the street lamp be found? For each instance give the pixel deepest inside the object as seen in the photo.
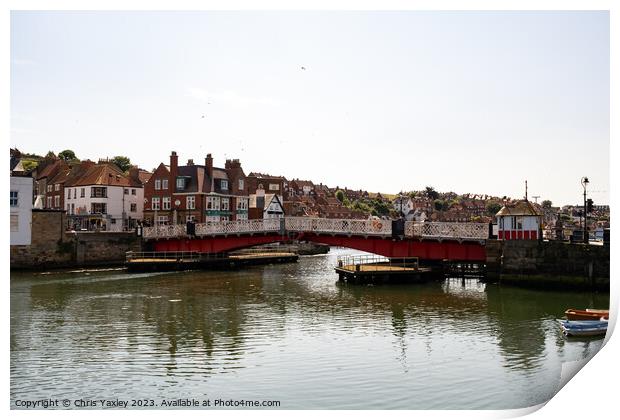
(584, 184)
(177, 203)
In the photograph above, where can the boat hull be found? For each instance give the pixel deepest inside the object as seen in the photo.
(583, 328)
(587, 315)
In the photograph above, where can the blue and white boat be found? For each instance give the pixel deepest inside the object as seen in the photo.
(583, 328)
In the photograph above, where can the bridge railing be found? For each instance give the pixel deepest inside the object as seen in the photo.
(447, 230)
(368, 227)
(213, 228)
(238, 226)
(338, 226)
(164, 231)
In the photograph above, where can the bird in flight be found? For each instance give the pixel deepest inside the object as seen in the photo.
(303, 68)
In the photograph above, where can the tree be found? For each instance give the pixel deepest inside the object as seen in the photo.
(431, 193)
(546, 204)
(122, 162)
(340, 196)
(439, 204)
(493, 208)
(67, 155)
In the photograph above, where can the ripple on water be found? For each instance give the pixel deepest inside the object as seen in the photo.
(287, 332)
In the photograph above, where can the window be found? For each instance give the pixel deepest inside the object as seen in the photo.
(226, 204)
(113, 221)
(68, 208)
(82, 192)
(274, 187)
(57, 201)
(158, 184)
(180, 183)
(49, 202)
(57, 187)
(241, 184)
(213, 203)
(72, 208)
(155, 203)
(14, 200)
(164, 184)
(69, 194)
(165, 205)
(162, 220)
(224, 184)
(191, 202)
(133, 191)
(242, 216)
(133, 207)
(98, 208)
(98, 192)
(14, 222)
(191, 218)
(126, 191)
(49, 188)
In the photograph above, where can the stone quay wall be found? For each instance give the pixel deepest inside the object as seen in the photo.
(53, 247)
(548, 265)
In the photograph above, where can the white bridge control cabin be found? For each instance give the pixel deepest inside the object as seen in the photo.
(519, 221)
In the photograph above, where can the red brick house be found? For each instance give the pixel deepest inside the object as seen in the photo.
(203, 193)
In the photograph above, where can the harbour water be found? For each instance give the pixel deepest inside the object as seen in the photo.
(288, 333)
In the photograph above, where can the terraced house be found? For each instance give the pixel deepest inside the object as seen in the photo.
(101, 197)
(202, 193)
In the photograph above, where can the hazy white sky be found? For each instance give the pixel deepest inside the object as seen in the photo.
(384, 101)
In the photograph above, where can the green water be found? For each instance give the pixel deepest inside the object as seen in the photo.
(289, 333)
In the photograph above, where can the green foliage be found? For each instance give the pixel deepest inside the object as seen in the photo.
(440, 205)
(493, 208)
(29, 164)
(67, 155)
(340, 196)
(122, 162)
(431, 193)
(546, 204)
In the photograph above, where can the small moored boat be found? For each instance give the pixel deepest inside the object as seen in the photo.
(587, 315)
(583, 328)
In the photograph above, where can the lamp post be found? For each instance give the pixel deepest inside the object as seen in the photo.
(177, 203)
(584, 183)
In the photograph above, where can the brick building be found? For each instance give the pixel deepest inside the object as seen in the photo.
(203, 193)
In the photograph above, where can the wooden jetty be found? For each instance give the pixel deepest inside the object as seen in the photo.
(186, 260)
(377, 269)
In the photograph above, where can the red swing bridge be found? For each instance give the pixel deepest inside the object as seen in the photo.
(428, 241)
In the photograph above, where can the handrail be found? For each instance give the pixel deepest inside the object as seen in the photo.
(365, 227)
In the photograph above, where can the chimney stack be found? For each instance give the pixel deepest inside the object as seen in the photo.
(174, 170)
(133, 173)
(209, 164)
(190, 162)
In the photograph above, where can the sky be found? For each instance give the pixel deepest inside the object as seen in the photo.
(470, 102)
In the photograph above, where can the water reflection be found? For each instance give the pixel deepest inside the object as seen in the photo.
(248, 331)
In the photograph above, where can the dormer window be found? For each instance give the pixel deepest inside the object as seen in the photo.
(224, 185)
(180, 183)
